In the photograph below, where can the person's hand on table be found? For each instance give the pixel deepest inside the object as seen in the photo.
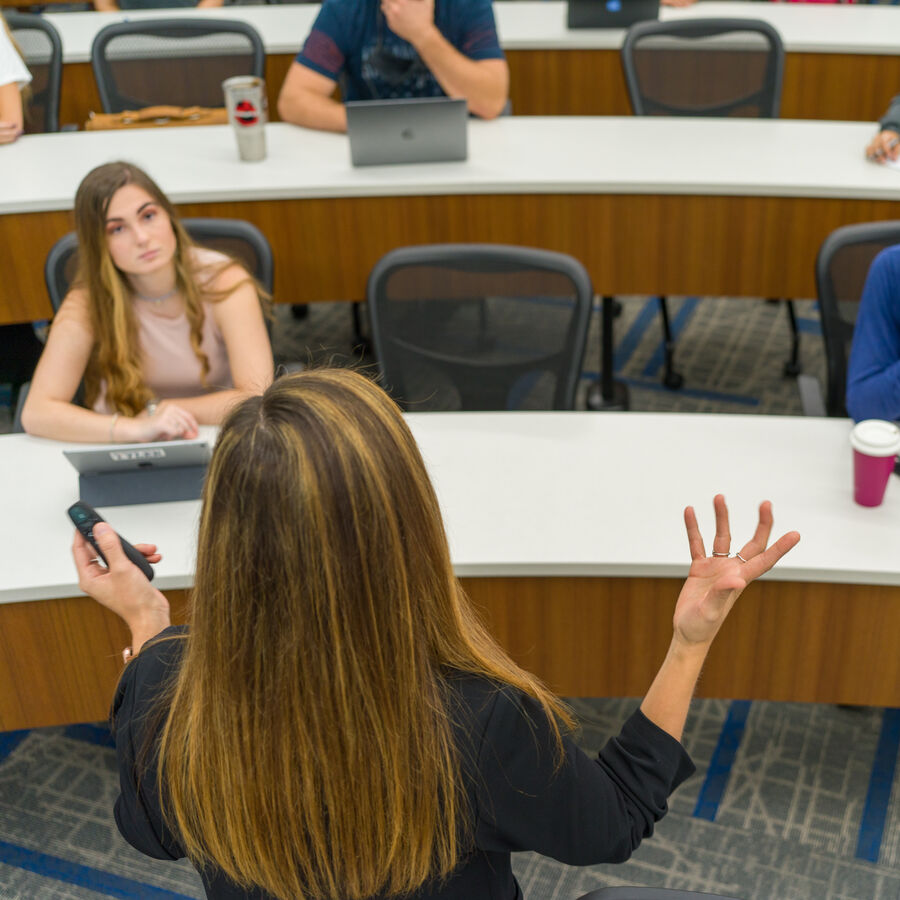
(122, 587)
(715, 582)
(411, 20)
(168, 422)
(9, 132)
(884, 146)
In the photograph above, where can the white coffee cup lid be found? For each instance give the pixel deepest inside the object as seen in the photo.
(875, 437)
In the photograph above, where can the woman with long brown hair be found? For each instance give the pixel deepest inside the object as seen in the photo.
(164, 334)
(334, 723)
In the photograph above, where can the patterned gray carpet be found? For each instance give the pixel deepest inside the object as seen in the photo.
(790, 801)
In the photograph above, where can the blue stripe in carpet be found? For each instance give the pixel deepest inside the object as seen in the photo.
(91, 734)
(9, 740)
(83, 876)
(878, 797)
(635, 333)
(722, 760)
(654, 364)
(809, 326)
(742, 399)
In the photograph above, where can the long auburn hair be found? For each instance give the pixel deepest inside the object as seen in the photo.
(115, 359)
(307, 747)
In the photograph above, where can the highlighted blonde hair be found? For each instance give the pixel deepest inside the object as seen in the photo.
(308, 748)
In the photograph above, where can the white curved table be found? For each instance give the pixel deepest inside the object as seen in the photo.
(566, 529)
(677, 206)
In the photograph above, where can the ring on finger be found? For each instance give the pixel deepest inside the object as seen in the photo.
(741, 558)
(716, 553)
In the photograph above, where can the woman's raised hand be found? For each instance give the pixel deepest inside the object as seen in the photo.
(715, 582)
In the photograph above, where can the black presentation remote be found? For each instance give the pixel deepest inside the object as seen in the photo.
(86, 517)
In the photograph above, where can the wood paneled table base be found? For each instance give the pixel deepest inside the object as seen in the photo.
(586, 637)
(732, 208)
(841, 63)
(566, 530)
(830, 86)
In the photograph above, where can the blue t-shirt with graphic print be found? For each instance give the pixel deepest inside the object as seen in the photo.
(350, 41)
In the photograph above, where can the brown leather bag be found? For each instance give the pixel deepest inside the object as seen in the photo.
(154, 116)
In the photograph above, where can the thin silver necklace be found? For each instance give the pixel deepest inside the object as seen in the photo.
(160, 299)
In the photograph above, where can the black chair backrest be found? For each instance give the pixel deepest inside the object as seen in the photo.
(479, 326)
(645, 893)
(841, 269)
(704, 67)
(180, 62)
(42, 50)
(240, 239)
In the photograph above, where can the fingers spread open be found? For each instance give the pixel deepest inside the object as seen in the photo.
(695, 541)
(722, 541)
(760, 538)
(764, 561)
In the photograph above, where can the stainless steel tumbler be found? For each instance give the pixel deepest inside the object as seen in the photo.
(245, 100)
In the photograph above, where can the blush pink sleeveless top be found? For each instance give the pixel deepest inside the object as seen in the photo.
(168, 362)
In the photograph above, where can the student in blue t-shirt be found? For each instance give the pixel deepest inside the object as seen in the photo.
(873, 377)
(395, 48)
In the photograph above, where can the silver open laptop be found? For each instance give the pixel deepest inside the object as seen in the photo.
(384, 132)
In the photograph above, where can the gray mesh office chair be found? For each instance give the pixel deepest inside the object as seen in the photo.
(712, 68)
(479, 326)
(643, 893)
(842, 265)
(181, 62)
(42, 50)
(240, 239)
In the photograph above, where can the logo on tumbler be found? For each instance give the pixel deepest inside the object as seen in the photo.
(245, 113)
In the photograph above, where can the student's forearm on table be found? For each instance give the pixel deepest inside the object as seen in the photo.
(667, 701)
(64, 421)
(485, 91)
(11, 112)
(313, 111)
(211, 409)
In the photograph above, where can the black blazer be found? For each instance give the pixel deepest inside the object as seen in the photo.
(586, 811)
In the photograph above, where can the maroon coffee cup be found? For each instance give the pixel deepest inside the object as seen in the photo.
(875, 446)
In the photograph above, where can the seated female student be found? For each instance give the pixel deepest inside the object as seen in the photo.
(873, 372)
(14, 76)
(335, 723)
(165, 334)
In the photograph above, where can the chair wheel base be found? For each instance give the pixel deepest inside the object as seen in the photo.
(674, 381)
(792, 369)
(597, 403)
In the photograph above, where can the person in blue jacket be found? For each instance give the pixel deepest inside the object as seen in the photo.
(873, 376)
(391, 49)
